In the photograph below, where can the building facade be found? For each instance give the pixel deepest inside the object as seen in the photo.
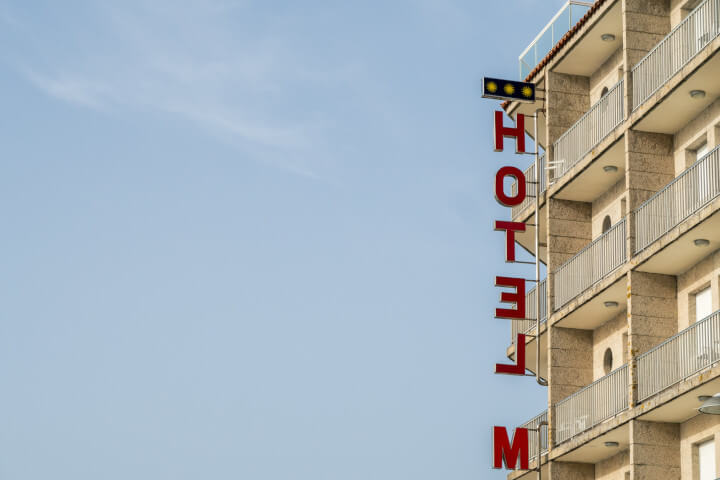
(629, 191)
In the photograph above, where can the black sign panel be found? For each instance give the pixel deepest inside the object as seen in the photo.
(508, 90)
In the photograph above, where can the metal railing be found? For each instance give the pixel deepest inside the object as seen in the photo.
(596, 124)
(528, 324)
(673, 52)
(682, 197)
(531, 189)
(595, 403)
(679, 357)
(590, 265)
(533, 436)
(559, 25)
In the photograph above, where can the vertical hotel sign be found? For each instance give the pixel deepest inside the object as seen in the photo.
(512, 451)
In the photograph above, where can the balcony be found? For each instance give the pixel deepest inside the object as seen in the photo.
(528, 325)
(679, 357)
(675, 51)
(531, 187)
(533, 436)
(587, 133)
(590, 406)
(561, 23)
(685, 195)
(590, 265)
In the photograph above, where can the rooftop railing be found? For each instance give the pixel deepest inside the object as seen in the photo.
(677, 358)
(596, 124)
(531, 188)
(528, 325)
(595, 403)
(559, 25)
(673, 52)
(590, 265)
(685, 195)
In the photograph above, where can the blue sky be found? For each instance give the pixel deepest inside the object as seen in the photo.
(254, 239)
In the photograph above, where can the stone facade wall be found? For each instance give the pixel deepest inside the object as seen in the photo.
(696, 430)
(654, 450)
(614, 468)
(611, 335)
(703, 274)
(609, 204)
(607, 75)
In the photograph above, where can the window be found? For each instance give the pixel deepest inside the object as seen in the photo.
(604, 92)
(703, 304)
(706, 460)
(607, 362)
(607, 223)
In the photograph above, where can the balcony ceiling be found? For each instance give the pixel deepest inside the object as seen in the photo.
(680, 255)
(594, 181)
(596, 451)
(684, 407)
(590, 45)
(678, 108)
(594, 313)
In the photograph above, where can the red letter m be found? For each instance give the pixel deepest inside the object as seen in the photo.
(504, 451)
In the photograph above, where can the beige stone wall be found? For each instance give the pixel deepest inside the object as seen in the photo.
(613, 468)
(611, 336)
(679, 10)
(652, 310)
(572, 471)
(697, 430)
(568, 98)
(609, 203)
(703, 274)
(704, 127)
(654, 450)
(607, 75)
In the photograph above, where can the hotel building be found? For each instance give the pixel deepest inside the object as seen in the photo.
(629, 195)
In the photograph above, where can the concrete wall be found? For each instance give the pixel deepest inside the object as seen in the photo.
(572, 471)
(679, 9)
(704, 127)
(697, 430)
(571, 362)
(611, 335)
(608, 204)
(652, 310)
(654, 450)
(703, 274)
(613, 468)
(607, 75)
(568, 98)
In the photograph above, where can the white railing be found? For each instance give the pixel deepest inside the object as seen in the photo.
(695, 348)
(531, 188)
(596, 124)
(593, 404)
(528, 324)
(698, 29)
(558, 26)
(682, 197)
(533, 436)
(590, 265)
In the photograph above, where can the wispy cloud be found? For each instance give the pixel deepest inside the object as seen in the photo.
(186, 60)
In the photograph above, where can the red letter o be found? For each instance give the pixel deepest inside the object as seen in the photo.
(500, 196)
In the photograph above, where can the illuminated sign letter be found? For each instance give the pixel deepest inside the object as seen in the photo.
(510, 229)
(518, 298)
(517, 132)
(500, 196)
(519, 367)
(505, 452)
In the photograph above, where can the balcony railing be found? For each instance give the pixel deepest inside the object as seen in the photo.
(528, 325)
(679, 357)
(561, 23)
(530, 188)
(533, 436)
(698, 29)
(596, 124)
(593, 404)
(682, 197)
(592, 264)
